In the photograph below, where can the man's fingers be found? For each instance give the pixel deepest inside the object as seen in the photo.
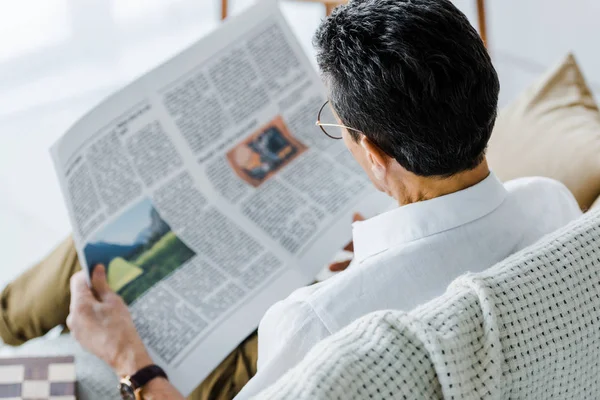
(81, 298)
(357, 217)
(70, 321)
(99, 282)
(349, 247)
(79, 283)
(79, 288)
(339, 266)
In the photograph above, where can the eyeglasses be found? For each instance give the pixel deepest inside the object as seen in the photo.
(322, 125)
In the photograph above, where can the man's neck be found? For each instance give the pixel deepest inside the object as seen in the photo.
(411, 188)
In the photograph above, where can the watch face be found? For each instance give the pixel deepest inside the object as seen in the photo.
(127, 392)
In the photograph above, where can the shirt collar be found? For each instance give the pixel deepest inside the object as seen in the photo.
(425, 218)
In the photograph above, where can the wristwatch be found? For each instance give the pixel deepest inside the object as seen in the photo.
(130, 387)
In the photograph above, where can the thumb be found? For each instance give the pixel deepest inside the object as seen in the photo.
(99, 282)
(357, 217)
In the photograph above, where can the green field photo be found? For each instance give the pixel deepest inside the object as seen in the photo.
(121, 272)
(138, 250)
(165, 256)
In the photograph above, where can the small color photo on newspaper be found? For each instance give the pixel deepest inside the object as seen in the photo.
(264, 152)
(138, 249)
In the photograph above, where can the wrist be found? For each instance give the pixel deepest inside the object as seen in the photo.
(131, 361)
(156, 385)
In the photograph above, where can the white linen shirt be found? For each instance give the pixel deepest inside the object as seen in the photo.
(407, 256)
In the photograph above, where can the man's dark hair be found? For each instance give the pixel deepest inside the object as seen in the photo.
(414, 77)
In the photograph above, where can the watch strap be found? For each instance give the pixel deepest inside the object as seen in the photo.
(145, 375)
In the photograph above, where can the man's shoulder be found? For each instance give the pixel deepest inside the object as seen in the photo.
(540, 189)
(546, 198)
(536, 183)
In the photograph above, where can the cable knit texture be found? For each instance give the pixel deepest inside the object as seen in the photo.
(527, 328)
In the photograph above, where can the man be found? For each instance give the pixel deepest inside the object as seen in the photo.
(415, 94)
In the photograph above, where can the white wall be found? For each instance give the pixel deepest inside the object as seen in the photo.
(528, 36)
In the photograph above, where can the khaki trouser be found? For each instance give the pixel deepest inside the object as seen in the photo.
(38, 300)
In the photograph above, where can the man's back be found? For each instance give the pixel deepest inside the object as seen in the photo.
(418, 265)
(409, 255)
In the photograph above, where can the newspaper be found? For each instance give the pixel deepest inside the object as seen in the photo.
(207, 191)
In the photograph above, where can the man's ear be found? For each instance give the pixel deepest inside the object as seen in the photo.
(377, 157)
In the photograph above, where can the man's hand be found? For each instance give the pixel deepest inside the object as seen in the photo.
(342, 265)
(100, 321)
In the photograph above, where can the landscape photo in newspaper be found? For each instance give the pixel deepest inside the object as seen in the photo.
(138, 250)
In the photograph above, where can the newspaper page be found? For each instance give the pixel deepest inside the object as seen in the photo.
(209, 193)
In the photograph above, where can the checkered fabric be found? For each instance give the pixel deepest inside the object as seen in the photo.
(51, 378)
(527, 328)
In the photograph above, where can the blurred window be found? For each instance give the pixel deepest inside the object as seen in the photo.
(26, 25)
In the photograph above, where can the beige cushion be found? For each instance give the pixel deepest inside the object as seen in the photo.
(552, 130)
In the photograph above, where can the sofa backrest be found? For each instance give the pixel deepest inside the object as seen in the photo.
(528, 327)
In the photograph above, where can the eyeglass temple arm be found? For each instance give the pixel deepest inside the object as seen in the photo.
(318, 123)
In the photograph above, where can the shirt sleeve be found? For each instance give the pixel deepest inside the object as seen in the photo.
(289, 329)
